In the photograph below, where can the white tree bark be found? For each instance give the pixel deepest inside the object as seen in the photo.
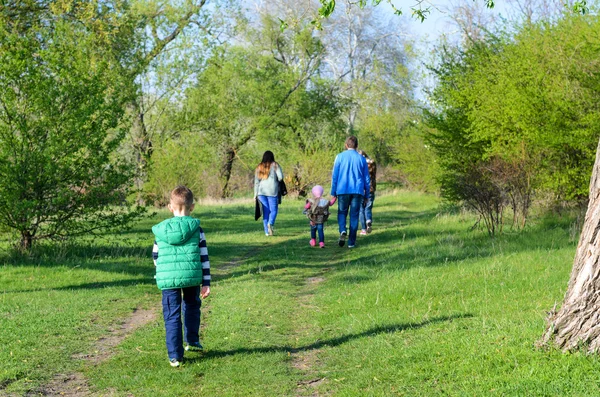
(576, 325)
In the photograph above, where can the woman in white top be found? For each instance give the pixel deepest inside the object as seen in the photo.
(266, 188)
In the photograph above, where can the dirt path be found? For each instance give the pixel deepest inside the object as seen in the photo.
(305, 361)
(75, 384)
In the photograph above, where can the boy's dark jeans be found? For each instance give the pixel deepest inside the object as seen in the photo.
(172, 307)
(313, 232)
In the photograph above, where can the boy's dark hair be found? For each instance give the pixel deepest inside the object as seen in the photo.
(352, 142)
(182, 196)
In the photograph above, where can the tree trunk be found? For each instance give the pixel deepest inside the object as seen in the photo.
(577, 323)
(225, 172)
(142, 146)
(26, 240)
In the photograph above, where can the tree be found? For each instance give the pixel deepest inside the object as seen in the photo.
(535, 108)
(237, 95)
(365, 54)
(532, 116)
(575, 324)
(177, 38)
(63, 85)
(307, 130)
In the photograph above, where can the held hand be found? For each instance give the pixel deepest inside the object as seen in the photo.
(312, 223)
(204, 292)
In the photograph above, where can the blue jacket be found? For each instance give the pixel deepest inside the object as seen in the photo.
(350, 174)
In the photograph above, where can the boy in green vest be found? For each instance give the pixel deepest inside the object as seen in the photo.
(181, 259)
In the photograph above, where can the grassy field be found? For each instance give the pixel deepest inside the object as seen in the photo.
(423, 306)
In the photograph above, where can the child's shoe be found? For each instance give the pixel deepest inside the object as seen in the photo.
(369, 228)
(270, 229)
(193, 347)
(322, 244)
(363, 232)
(313, 242)
(175, 362)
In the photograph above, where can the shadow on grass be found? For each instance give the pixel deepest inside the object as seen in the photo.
(394, 248)
(332, 342)
(88, 286)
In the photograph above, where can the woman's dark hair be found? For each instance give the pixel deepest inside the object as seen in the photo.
(268, 157)
(264, 167)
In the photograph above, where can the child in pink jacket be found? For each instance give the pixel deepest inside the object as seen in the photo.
(317, 210)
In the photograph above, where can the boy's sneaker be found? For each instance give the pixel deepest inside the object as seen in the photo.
(369, 227)
(322, 244)
(342, 239)
(313, 242)
(363, 232)
(193, 347)
(270, 229)
(175, 362)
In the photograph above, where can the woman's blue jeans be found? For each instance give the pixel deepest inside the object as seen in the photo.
(172, 308)
(317, 228)
(366, 211)
(270, 208)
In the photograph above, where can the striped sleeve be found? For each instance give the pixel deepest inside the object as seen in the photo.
(204, 260)
(155, 252)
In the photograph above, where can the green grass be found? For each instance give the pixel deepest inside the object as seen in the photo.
(422, 306)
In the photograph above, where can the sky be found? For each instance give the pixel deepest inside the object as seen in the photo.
(425, 34)
(438, 22)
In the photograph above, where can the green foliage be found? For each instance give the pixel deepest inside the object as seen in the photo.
(512, 107)
(416, 159)
(64, 79)
(235, 97)
(531, 104)
(185, 160)
(580, 7)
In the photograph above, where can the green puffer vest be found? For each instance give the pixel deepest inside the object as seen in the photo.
(178, 264)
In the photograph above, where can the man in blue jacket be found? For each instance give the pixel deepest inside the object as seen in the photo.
(350, 183)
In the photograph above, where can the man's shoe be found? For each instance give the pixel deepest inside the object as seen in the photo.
(175, 362)
(350, 246)
(342, 239)
(193, 347)
(369, 227)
